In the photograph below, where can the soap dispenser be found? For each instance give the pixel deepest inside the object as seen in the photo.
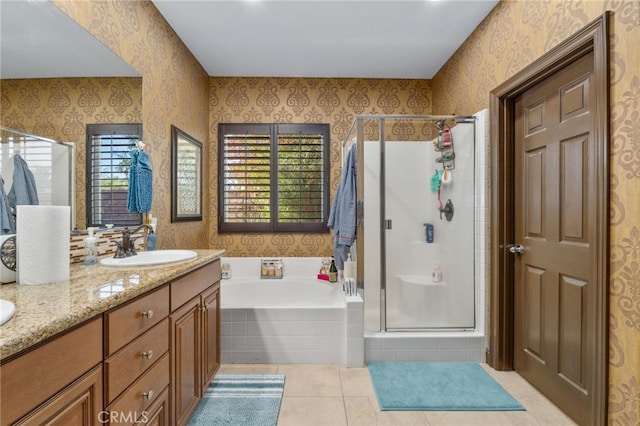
(90, 248)
(152, 237)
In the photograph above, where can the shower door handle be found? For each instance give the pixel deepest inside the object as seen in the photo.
(387, 224)
(516, 249)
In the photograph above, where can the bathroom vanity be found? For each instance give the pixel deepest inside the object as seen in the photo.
(112, 345)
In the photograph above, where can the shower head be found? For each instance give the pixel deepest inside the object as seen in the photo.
(439, 124)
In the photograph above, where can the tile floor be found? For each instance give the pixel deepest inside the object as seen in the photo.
(333, 395)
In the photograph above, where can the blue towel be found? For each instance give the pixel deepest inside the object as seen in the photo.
(342, 218)
(140, 193)
(23, 190)
(7, 221)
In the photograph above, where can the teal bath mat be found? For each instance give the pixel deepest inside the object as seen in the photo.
(240, 400)
(438, 386)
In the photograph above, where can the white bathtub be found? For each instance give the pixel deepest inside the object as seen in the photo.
(293, 292)
(296, 319)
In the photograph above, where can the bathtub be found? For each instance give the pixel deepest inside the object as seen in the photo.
(285, 293)
(294, 320)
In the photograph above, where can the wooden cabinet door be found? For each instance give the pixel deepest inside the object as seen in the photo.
(185, 342)
(78, 404)
(210, 335)
(158, 413)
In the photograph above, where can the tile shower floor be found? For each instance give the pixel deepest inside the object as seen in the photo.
(333, 395)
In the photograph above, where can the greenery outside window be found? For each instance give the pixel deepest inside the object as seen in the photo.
(273, 177)
(108, 163)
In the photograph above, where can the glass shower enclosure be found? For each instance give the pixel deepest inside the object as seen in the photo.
(416, 220)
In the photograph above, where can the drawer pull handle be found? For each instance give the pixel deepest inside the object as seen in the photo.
(147, 314)
(147, 354)
(148, 395)
(203, 308)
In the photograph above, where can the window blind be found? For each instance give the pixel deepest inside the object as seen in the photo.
(108, 163)
(273, 178)
(247, 178)
(300, 178)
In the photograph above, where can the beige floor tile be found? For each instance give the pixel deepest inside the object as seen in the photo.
(311, 380)
(248, 369)
(312, 411)
(481, 418)
(537, 405)
(364, 411)
(356, 382)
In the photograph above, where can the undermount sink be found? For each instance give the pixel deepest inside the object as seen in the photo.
(6, 310)
(155, 257)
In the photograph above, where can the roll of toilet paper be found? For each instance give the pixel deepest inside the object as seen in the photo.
(42, 244)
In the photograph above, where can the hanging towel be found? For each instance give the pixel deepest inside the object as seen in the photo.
(140, 182)
(342, 218)
(23, 190)
(7, 221)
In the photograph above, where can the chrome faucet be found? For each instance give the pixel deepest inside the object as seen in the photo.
(126, 247)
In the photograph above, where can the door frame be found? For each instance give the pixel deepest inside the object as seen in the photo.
(500, 351)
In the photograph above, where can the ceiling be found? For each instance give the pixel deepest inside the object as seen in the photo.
(324, 38)
(256, 38)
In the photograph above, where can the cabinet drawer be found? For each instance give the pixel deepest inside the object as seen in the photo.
(30, 379)
(137, 399)
(189, 286)
(128, 363)
(127, 322)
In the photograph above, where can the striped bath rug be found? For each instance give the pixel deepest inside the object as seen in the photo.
(240, 399)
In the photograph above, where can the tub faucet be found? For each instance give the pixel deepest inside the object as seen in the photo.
(127, 247)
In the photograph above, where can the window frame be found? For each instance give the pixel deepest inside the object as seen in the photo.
(274, 130)
(106, 129)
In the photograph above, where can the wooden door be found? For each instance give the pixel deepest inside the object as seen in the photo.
(555, 289)
(185, 343)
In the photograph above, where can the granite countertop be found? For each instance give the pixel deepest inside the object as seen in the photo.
(45, 310)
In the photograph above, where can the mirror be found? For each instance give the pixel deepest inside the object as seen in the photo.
(45, 59)
(186, 178)
(51, 163)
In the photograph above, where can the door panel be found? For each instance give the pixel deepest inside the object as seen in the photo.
(554, 290)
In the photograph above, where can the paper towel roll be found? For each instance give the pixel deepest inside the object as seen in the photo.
(42, 244)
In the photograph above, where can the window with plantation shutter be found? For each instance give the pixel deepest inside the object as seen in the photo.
(108, 162)
(273, 177)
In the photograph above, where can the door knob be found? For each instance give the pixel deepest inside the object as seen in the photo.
(516, 249)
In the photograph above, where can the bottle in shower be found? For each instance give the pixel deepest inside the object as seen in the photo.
(437, 273)
(333, 272)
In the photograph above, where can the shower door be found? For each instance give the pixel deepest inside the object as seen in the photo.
(413, 300)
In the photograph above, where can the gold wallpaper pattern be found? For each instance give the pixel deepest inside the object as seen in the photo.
(305, 100)
(174, 92)
(60, 109)
(513, 35)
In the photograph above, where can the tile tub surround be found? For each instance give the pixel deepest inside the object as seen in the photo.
(43, 311)
(290, 334)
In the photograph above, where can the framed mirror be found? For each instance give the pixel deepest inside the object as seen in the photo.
(186, 177)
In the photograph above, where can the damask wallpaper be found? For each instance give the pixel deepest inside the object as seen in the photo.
(513, 35)
(176, 90)
(60, 109)
(304, 100)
